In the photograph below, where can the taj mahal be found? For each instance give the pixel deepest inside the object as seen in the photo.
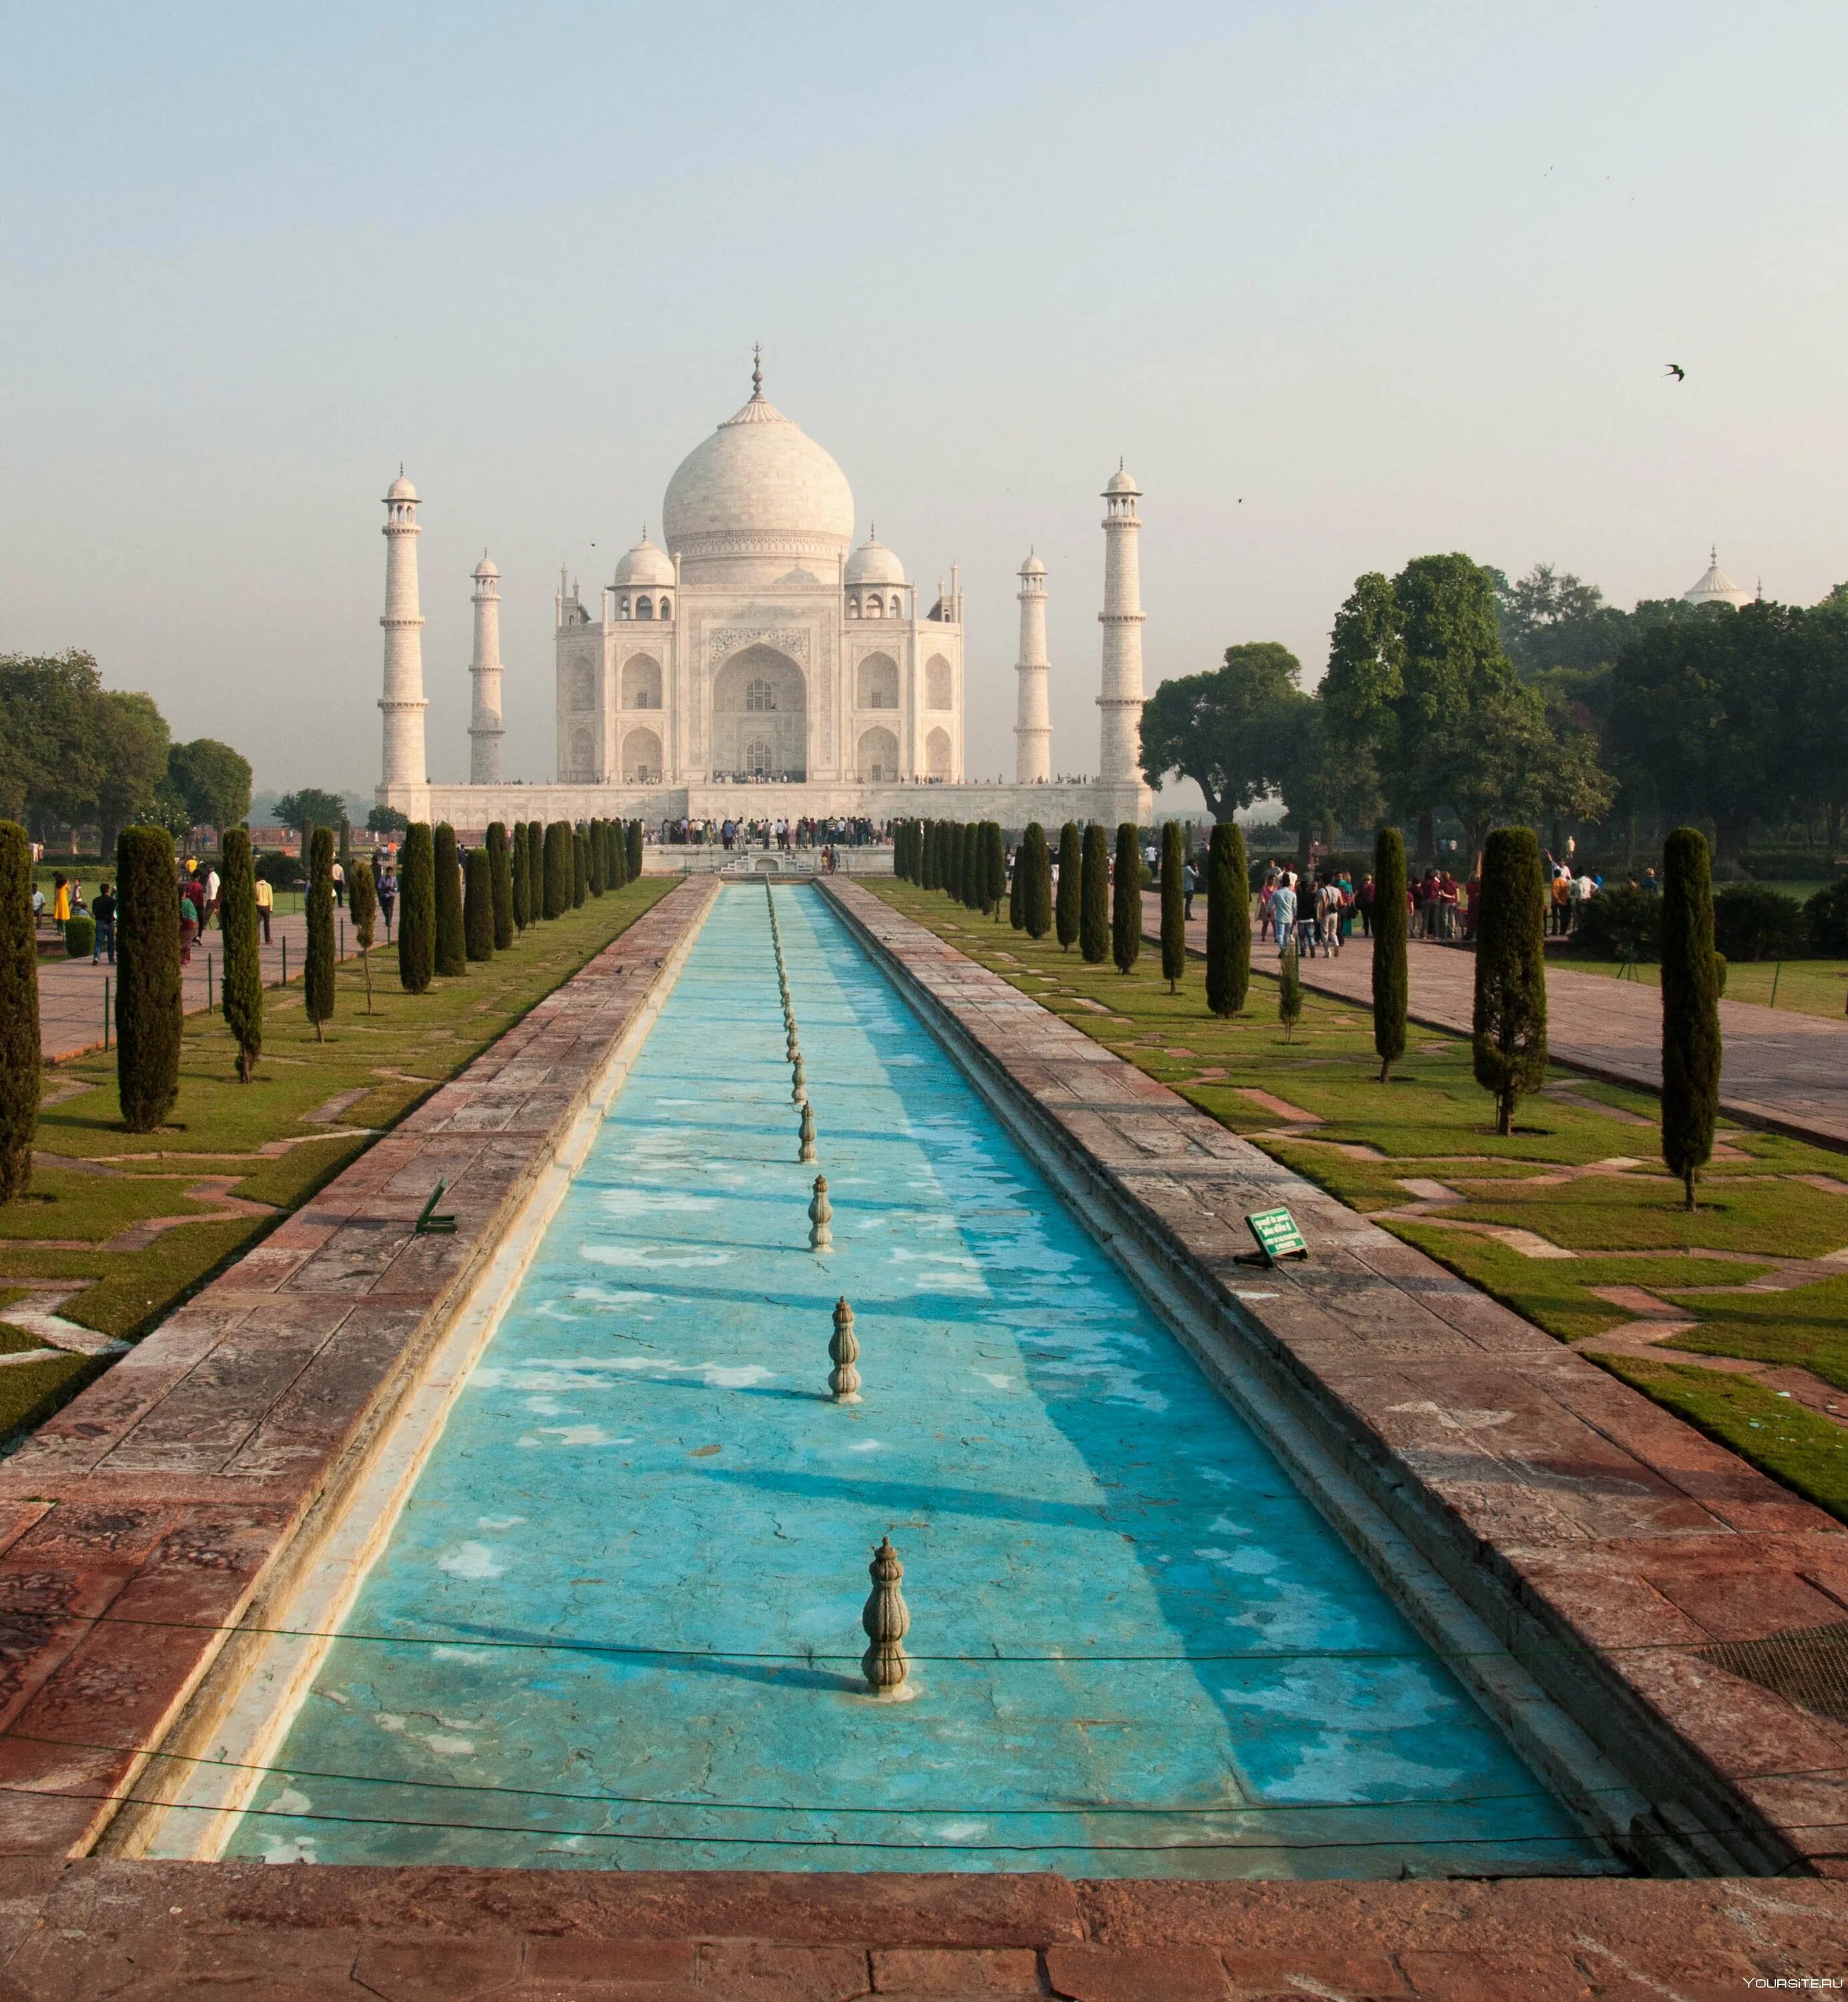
(761, 664)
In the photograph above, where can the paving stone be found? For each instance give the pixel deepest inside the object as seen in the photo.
(438, 1970)
(1137, 1974)
(951, 1971)
(756, 1971)
(577, 1959)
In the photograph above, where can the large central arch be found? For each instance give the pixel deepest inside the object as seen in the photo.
(760, 715)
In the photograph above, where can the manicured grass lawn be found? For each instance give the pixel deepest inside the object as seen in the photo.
(1804, 986)
(1582, 1171)
(256, 1143)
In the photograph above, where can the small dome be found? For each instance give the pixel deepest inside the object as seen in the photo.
(1716, 588)
(401, 490)
(873, 562)
(487, 566)
(1033, 566)
(1122, 482)
(645, 564)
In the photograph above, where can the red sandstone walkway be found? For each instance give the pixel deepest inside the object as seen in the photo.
(1788, 1070)
(70, 991)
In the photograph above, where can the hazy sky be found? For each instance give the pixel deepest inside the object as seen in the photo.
(1342, 283)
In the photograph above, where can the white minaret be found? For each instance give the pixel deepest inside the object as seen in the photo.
(1120, 746)
(1032, 732)
(484, 732)
(403, 701)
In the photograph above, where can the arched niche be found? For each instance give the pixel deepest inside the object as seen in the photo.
(876, 682)
(937, 754)
(581, 685)
(760, 700)
(583, 754)
(878, 758)
(940, 684)
(641, 682)
(641, 758)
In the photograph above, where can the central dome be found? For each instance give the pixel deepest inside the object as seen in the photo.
(756, 494)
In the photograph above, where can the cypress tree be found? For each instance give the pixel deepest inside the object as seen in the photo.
(953, 859)
(1174, 931)
(535, 871)
(1510, 1037)
(1093, 909)
(1391, 991)
(632, 844)
(995, 861)
(362, 896)
(416, 908)
(927, 856)
(148, 1007)
(615, 855)
(500, 866)
(243, 985)
(19, 1058)
(478, 905)
(521, 878)
(1227, 920)
(558, 868)
(1071, 885)
(1126, 913)
(599, 857)
(1036, 896)
(1289, 994)
(317, 974)
(581, 866)
(1690, 1008)
(975, 866)
(452, 942)
(1016, 890)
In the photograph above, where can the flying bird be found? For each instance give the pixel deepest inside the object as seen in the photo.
(1675, 369)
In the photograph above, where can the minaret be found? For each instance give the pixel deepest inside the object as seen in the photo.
(484, 732)
(403, 701)
(1032, 732)
(1120, 747)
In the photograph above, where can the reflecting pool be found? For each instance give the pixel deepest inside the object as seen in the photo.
(617, 1624)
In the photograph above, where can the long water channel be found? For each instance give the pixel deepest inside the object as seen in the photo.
(617, 1623)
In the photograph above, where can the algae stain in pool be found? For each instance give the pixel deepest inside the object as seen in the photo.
(617, 1624)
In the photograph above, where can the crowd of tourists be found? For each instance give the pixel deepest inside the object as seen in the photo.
(779, 832)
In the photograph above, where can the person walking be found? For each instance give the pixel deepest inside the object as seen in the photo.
(211, 895)
(388, 899)
(1190, 884)
(189, 921)
(1283, 916)
(340, 884)
(60, 901)
(103, 911)
(265, 899)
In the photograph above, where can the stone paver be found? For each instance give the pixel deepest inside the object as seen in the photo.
(1786, 1071)
(135, 1932)
(138, 1523)
(71, 991)
(1545, 1491)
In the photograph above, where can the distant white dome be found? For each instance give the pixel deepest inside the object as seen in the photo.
(1716, 588)
(1122, 482)
(645, 564)
(758, 491)
(487, 566)
(1033, 566)
(873, 562)
(401, 490)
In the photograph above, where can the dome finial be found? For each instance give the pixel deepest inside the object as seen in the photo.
(757, 368)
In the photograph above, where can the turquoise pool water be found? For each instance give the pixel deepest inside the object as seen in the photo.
(1137, 1649)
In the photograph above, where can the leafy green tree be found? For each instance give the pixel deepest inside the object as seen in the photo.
(452, 940)
(317, 979)
(213, 779)
(243, 982)
(500, 871)
(1035, 862)
(309, 808)
(1093, 909)
(148, 1006)
(994, 859)
(416, 908)
(386, 821)
(1392, 987)
(19, 1058)
(130, 734)
(1510, 1028)
(1071, 885)
(1229, 730)
(1289, 993)
(362, 899)
(478, 905)
(1227, 919)
(1126, 911)
(1814, 713)
(558, 868)
(1690, 1009)
(1174, 931)
(522, 878)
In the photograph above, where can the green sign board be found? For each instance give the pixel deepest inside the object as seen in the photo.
(1277, 1235)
